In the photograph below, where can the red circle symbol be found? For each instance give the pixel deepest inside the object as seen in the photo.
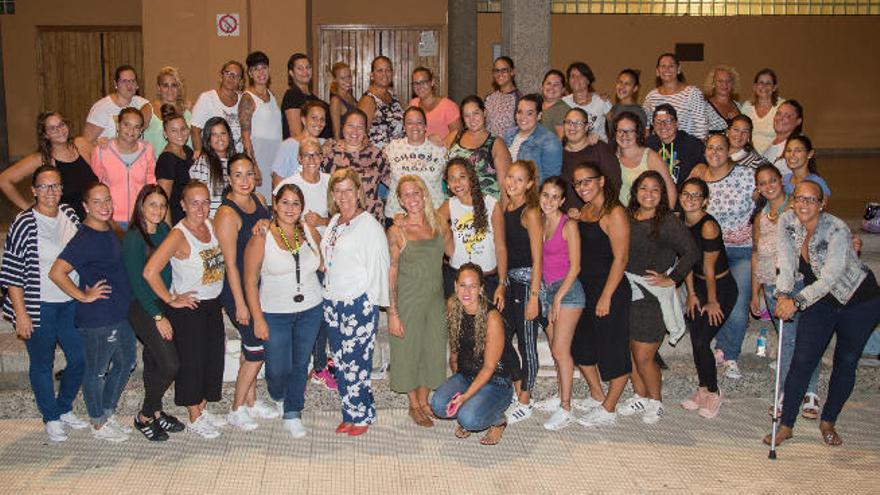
(228, 24)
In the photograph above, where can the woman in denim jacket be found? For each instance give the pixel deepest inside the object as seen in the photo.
(532, 141)
(840, 295)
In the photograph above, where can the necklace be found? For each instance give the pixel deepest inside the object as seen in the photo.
(298, 297)
(773, 216)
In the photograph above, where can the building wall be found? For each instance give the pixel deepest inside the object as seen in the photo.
(19, 38)
(184, 34)
(829, 78)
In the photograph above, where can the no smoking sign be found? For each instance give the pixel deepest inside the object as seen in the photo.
(228, 25)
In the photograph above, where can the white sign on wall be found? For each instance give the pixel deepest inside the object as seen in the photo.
(228, 25)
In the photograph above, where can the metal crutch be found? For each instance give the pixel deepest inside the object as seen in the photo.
(772, 454)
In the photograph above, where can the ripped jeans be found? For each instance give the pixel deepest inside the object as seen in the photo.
(110, 358)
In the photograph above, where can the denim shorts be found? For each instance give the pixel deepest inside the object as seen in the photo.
(574, 298)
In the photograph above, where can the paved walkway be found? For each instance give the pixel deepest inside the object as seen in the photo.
(682, 454)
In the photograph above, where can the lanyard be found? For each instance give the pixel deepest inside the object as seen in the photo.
(295, 253)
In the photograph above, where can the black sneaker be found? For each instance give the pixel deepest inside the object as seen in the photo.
(169, 423)
(151, 430)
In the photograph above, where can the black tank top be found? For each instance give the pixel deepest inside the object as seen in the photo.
(709, 245)
(519, 251)
(596, 253)
(74, 177)
(469, 364)
(248, 220)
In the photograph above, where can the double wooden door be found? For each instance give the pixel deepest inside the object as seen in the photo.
(76, 66)
(408, 47)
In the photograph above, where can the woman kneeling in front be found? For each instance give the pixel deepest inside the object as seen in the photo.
(481, 357)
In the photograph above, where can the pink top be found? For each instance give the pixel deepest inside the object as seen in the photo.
(555, 256)
(445, 113)
(124, 179)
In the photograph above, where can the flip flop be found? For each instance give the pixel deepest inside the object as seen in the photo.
(831, 438)
(487, 441)
(461, 432)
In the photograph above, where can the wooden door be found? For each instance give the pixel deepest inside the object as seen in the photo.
(76, 66)
(359, 45)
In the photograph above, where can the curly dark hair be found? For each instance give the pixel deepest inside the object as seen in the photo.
(481, 216)
(662, 206)
(456, 309)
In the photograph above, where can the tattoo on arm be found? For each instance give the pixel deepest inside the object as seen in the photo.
(246, 112)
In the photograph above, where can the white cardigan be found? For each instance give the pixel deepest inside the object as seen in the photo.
(356, 260)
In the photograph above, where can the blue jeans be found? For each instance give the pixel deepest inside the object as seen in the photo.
(872, 348)
(291, 337)
(789, 334)
(486, 408)
(351, 329)
(853, 325)
(732, 333)
(110, 358)
(56, 327)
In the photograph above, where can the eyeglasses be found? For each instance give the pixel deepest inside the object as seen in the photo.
(691, 196)
(626, 132)
(807, 200)
(423, 82)
(585, 181)
(56, 187)
(574, 123)
(235, 76)
(503, 70)
(659, 122)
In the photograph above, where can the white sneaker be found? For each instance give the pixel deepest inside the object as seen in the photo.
(203, 427)
(262, 410)
(548, 405)
(520, 412)
(634, 405)
(732, 370)
(295, 427)
(598, 417)
(215, 420)
(110, 433)
(241, 419)
(55, 430)
(119, 426)
(586, 405)
(653, 412)
(559, 420)
(73, 421)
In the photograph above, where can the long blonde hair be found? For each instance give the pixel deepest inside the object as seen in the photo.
(430, 213)
(481, 319)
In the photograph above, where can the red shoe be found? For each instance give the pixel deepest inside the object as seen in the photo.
(344, 427)
(357, 430)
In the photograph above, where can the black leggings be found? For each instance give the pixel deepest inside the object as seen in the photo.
(526, 333)
(200, 339)
(160, 359)
(702, 332)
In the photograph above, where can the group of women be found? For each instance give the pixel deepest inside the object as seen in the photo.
(474, 225)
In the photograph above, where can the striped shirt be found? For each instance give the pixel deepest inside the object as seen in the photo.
(21, 263)
(689, 104)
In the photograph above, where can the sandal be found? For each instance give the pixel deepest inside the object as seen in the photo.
(829, 434)
(418, 416)
(426, 409)
(810, 408)
(461, 432)
(489, 438)
(780, 437)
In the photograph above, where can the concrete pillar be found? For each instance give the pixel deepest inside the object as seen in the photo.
(462, 48)
(525, 37)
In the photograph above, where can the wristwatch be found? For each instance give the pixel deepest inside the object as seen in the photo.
(799, 302)
(158, 317)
